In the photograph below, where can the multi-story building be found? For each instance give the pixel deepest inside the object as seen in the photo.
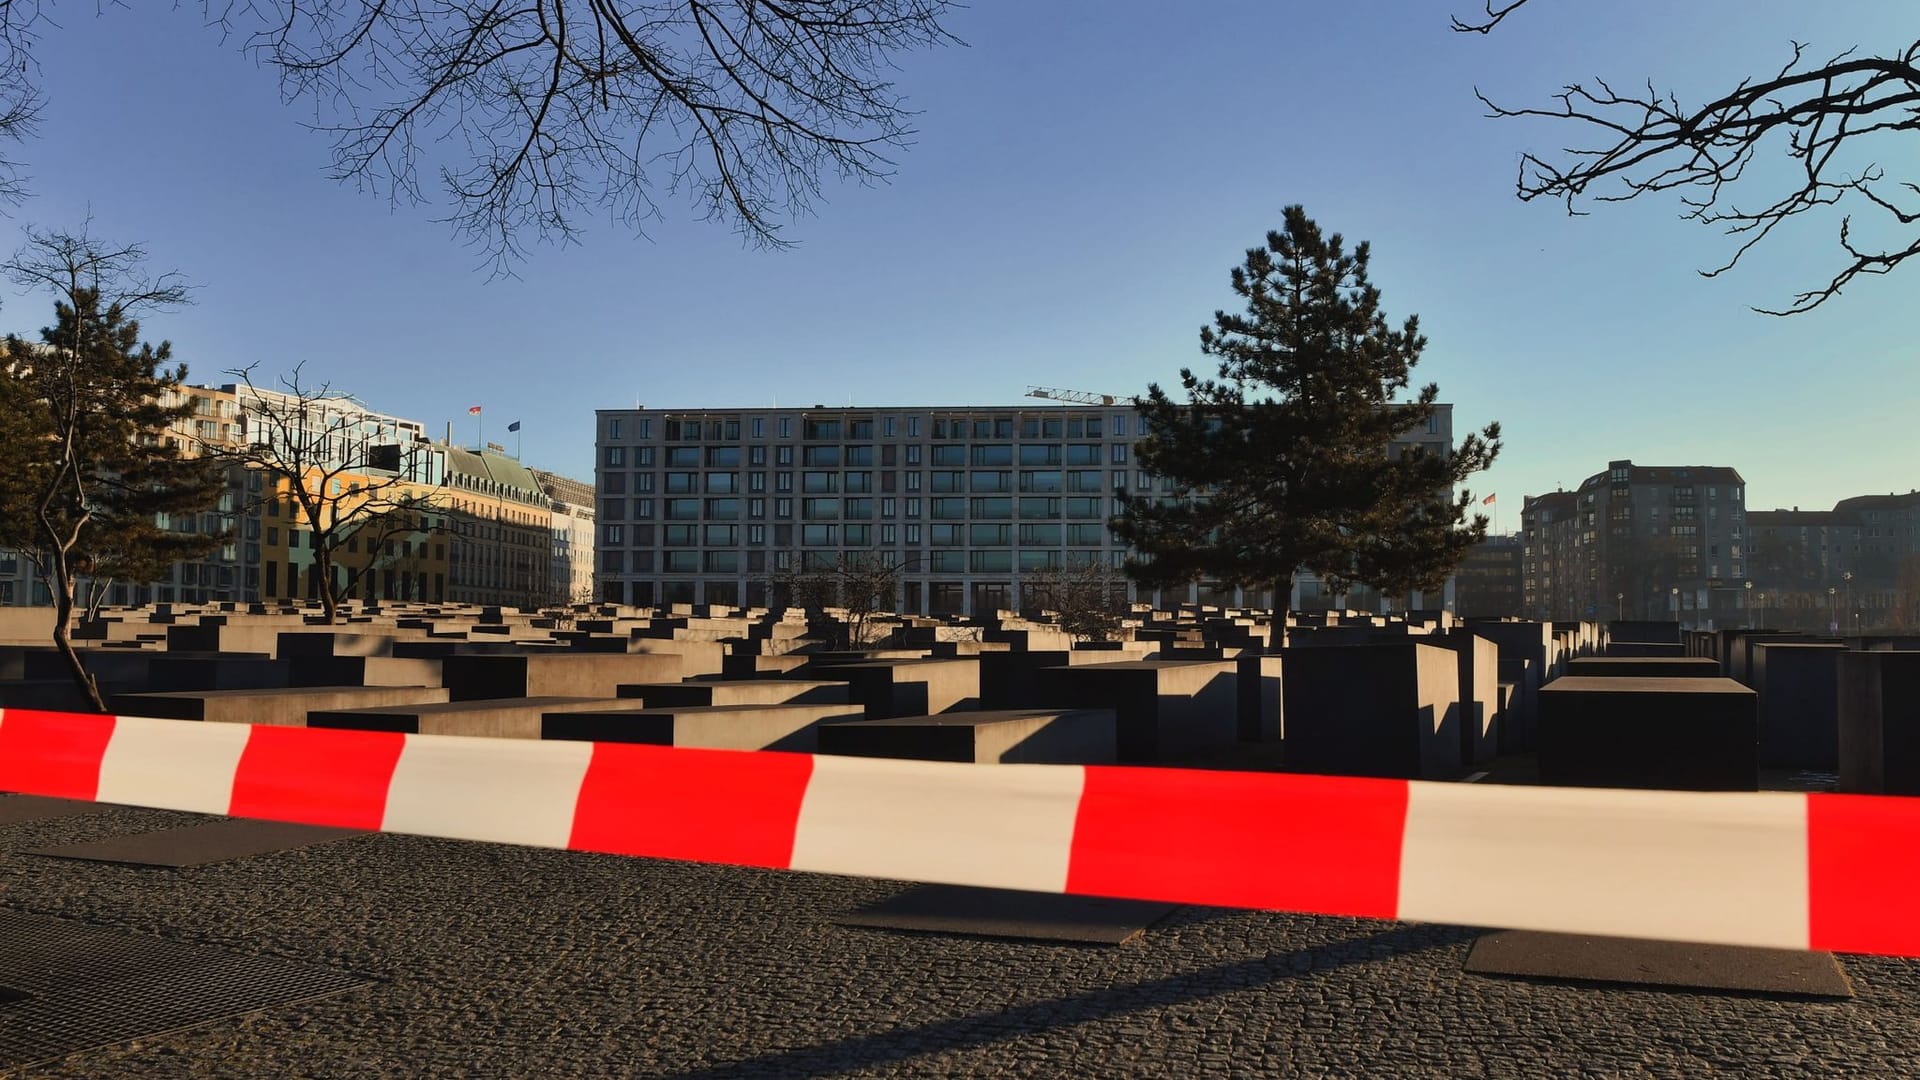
(1639, 542)
(499, 522)
(1489, 582)
(571, 574)
(704, 505)
(1853, 568)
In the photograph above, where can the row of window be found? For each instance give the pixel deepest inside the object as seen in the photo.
(855, 535)
(857, 457)
(825, 429)
(613, 511)
(752, 562)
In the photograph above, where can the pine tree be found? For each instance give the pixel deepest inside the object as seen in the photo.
(1286, 459)
(90, 470)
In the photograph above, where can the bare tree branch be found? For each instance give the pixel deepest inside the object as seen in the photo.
(1832, 120)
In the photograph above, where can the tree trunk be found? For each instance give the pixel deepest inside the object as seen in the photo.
(1282, 603)
(63, 632)
(323, 567)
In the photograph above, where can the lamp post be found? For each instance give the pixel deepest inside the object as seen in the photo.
(1676, 605)
(1618, 611)
(1833, 612)
(1763, 611)
(1749, 588)
(1847, 576)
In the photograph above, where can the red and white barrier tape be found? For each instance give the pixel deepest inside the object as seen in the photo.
(1793, 871)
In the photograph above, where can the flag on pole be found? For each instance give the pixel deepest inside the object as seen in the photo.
(515, 426)
(1488, 501)
(474, 411)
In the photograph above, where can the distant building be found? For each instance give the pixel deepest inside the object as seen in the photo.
(570, 577)
(500, 521)
(1489, 582)
(702, 505)
(1639, 542)
(1853, 568)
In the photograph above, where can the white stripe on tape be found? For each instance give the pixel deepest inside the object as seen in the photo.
(172, 764)
(509, 791)
(1688, 866)
(1000, 826)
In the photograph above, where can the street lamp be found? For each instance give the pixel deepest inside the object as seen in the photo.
(1618, 611)
(1763, 610)
(1676, 605)
(1847, 576)
(1833, 612)
(1749, 588)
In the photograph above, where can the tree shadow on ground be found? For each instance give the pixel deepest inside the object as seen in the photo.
(983, 1029)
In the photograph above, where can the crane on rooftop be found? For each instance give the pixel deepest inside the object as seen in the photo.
(1077, 397)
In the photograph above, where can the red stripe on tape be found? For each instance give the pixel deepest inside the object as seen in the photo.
(1863, 873)
(317, 776)
(53, 753)
(706, 805)
(1329, 845)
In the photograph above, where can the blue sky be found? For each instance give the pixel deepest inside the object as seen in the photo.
(1084, 176)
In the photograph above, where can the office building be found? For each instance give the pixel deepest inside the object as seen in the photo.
(703, 505)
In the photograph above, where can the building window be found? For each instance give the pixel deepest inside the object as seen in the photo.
(616, 455)
(1119, 453)
(613, 535)
(1119, 425)
(759, 427)
(613, 427)
(786, 427)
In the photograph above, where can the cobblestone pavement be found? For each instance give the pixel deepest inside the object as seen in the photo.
(507, 962)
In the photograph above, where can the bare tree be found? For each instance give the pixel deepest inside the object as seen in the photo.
(1087, 598)
(88, 469)
(567, 109)
(862, 584)
(1830, 119)
(338, 472)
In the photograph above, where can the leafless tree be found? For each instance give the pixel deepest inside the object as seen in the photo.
(551, 111)
(1087, 598)
(312, 445)
(862, 584)
(1831, 119)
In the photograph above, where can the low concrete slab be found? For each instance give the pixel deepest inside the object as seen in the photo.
(1007, 913)
(1638, 962)
(502, 718)
(1001, 736)
(1645, 667)
(737, 692)
(574, 675)
(198, 845)
(715, 727)
(285, 707)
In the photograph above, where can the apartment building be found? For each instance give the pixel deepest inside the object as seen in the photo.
(499, 525)
(703, 505)
(570, 576)
(1855, 567)
(1639, 542)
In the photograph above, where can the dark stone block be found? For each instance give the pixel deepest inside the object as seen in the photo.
(1799, 687)
(1373, 710)
(1163, 707)
(1880, 723)
(1645, 667)
(1646, 649)
(1009, 736)
(1684, 734)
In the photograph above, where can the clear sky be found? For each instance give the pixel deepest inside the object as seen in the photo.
(1085, 174)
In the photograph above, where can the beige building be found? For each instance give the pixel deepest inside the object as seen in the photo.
(571, 572)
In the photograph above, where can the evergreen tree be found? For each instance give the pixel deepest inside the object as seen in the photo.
(1286, 459)
(90, 469)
